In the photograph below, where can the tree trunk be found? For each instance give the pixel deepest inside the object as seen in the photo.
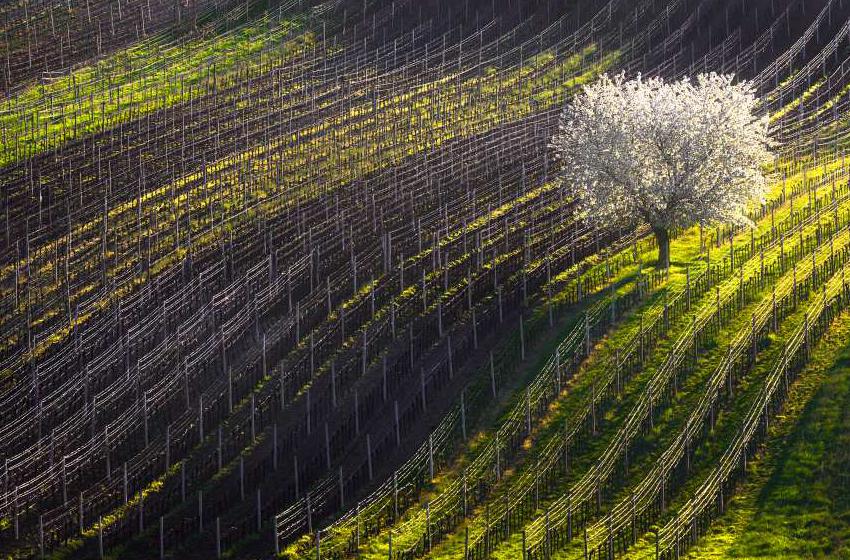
(662, 236)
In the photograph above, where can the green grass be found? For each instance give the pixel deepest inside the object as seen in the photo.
(684, 249)
(143, 78)
(730, 416)
(796, 500)
(690, 390)
(645, 450)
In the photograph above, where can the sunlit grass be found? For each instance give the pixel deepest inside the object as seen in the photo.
(795, 502)
(141, 79)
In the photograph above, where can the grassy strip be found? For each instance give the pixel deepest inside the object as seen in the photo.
(665, 425)
(141, 79)
(610, 415)
(796, 502)
(731, 414)
(685, 248)
(690, 247)
(513, 551)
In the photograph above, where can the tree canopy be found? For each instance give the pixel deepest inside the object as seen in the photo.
(666, 154)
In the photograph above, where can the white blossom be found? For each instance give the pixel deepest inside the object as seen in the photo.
(665, 154)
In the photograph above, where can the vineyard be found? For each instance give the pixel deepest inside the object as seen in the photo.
(300, 279)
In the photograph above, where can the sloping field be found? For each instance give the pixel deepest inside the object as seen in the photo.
(298, 279)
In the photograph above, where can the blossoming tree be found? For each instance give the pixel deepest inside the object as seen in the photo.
(666, 154)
